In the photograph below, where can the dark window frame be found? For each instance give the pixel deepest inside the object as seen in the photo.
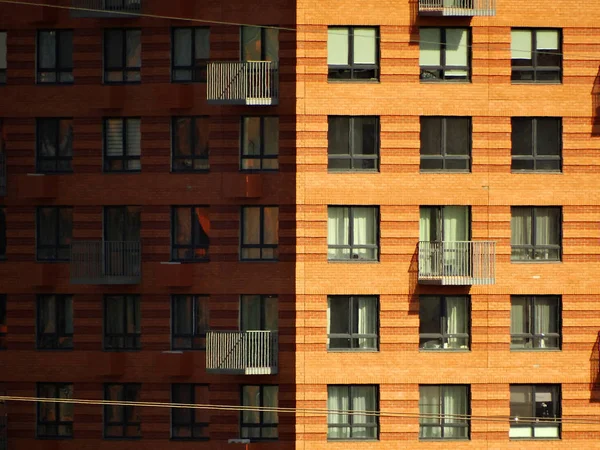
(261, 245)
(59, 69)
(194, 143)
(53, 339)
(354, 337)
(444, 156)
(443, 336)
(262, 156)
(58, 423)
(196, 339)
(57, 159)
(354, 158)
(350, 424)
(534, 157)
(535, 68)
(124, 69)
(533, 247)
(351, 246)
(261, 425)
(194, 247)
(198, 71)
(131, 340)
(3, 71)
(57, 247)
(442, 424)
(442, 68)
(3, 321)
(125, 411)
(531, 322)
(125, 157)
(2, 219)
(351, 67)
(539, 422)
(191, 423)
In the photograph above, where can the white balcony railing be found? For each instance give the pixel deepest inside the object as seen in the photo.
(243, 83)
(106, 262)
(457, 263)
(242, 352)
(457, 7)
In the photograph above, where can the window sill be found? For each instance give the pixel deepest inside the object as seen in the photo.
(57, 172)
(121, 350)
(436, 81)
(54, 83)
(121, 172)
(543, 172)
(178, 439)
(188, 81)
(353, 261)
(120, 83)
(258, 171)
(536, 82)
(352, 81)
(259, 260)
(189, 261)
(445, 171)
(444, 350)
(190, 171)
(367, 171)
(535, 261)
(352, 350)
(181, 351)
(122, 438)
(536, 350)
(54, 438)
(54, 349)
(352, 440)
(443, 439)
(534, 439)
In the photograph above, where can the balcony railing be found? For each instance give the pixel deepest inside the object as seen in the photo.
(243, 83)
(457, 263)
(457, 7)
(2, 174)
(106, 262)
(242, 352)
(106, 8)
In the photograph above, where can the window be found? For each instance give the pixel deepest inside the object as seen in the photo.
(536, 143)
(190, 143)
(55, 420)
(191, 52)
(259, 425)
(353, 53)
(535, 411)
(122, 145)
(352, 323)
(3, 323)
(259, 43)
(444, 411)
(352, 233)
(190, 234)
(190, 322)
(122, 322)
(534, 322)
(55, 322)
(259, 313)
(444, 322)
(536, 55)
(189, 423)
(122, 421)
(535, 233)
(122, 56)
(446, 144)
(351, 425)
(260, 232)
(444, 54)
(55, 56)
(353, 143)
(444, 223)
(54, 232)
(2, 233)
(2, 57)
(260, 143)
(122, 224)
(54, 141)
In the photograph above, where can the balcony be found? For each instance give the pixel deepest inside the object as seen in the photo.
(242, 352)
(243, 83)
(106, 8)
(457, 8)
(2, 174)
(106, 262)
(457, 263)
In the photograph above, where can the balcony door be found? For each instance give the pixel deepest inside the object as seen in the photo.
(121, 239)
(258, 313)
(260, 44)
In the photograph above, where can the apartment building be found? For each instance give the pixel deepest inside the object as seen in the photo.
(383, 218)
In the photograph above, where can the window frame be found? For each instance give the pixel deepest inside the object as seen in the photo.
(125, 157)
(56, 124)
(60, 309)
(57, 247)
(351, 66)
(351, 155)
(442, 68)
(59, 69)
(534, 68)
(352, 337)
(261, 245)
(262, 156)
(443, 336)
(2, 222)
(556, 396)
(194, 337)
(57, 412)
(3, 322)
(124, 69)
(194, 144)
(534, 150)
(5, 60)
(125, 423)
(193, 246)
(191, 423)
(198, 71)
(128, 337)
(261, 425)
(531, 322)
(442, 423)
(351, 246)
(533, 247)
(350, 424)
(444, 156)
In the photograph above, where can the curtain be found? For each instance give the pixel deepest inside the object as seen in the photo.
(455, 222)
(251, 44)
(365, 46)
(337, 46)
(456, 321)
(114, 137)
(456, 51)
(134, 49)
(520, 45)
(251, 313)
(271, 226)
(455, 403)
(546, 40)
(363, 222)
(429, 408)
(367, 321)
(546, 231)
(271, 44)
(430, 45)
(338, 221)
(518, 321)
(363, 399)
(520, 231)
(545, 321)
(337, 400)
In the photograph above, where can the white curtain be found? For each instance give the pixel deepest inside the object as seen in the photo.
(546, 231)
(365, 46)
(455, 232)
(520, 45)
(338, 222)
(545, 321)
(455, 404)
(363, 223)
(337, 46)
(456, 321)
(337, 400)
(363, 399)
(367, 321)
(518, 315)
(429, 408)
(520, 231)
(430, 47)
(456, 51)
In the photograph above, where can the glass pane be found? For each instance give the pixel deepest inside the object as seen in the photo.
(365, 45)
(338, 230)
(251, 141)
(338, 136)
(66, 225)
(134, 147)
(251, 226)
(114, 48)
(365, 136)
(2, 50)
(520, 225)
(521, 401)
(429, 315)
(202, 37)
(271, 135)
(364, 226)
(183, 223)
(429, 408)
(182, 315)
(201, 231)
(339, 315)
(182, 51)
(47, 137)
(65, 137)
(457, 47)
(251, 43)
(547, 226)
(181, 136)
(65, 48)
(524, 164)
(271, 225)
(47, 50)
(114, 137)
(337, 46)
(520, 46)
(202, 315)
(430, 47)
(134, 48)
(546, 39)
(548, 136)
(271, 400)
(431, 136)
(458, 135)
(521, 136)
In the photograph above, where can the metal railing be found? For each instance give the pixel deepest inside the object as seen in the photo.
(457, 7)
(457, 263)
(105, 8)
(242, 352)
(2, 174)
(106, 262)
(243, 83)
